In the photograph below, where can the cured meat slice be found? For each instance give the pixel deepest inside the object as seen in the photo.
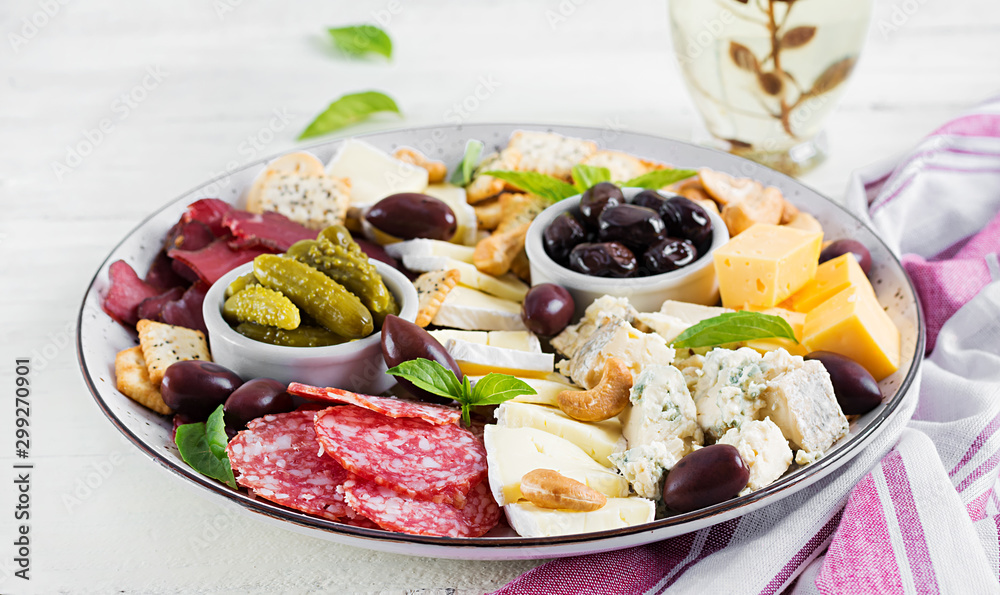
(396, 512)
(127, 291)
(277, 458)
(435, 414)
(216, 259)
(162, 277)
(193, 235)
(439, 463)
(187, 311)
(268, 229)
(211, 212)
(152, 308)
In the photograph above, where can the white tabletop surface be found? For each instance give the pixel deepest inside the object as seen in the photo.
(103, 518)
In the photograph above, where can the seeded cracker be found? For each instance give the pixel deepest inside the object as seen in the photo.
(316, 201)
(483, 187)
(164, 344)
(133, 380)
(432, 288)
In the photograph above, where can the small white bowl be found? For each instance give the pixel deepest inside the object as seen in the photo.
(695, 283)
(355, 366)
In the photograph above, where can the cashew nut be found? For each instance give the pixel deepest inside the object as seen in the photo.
(605, 400)
(546, 488)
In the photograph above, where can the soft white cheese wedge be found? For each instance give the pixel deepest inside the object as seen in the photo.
(469, 309)
(520, 340)
(598, 439)
(374, 174)
(465, 215)
(763, 449)
(476, 359)
(546, 390)
(512, 452)
(533, 521)
(426, 247)
(445, 334)
(508, 287)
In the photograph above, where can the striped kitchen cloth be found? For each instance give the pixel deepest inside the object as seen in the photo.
(918, 510)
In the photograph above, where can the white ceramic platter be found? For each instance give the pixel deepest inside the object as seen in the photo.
(99, 338)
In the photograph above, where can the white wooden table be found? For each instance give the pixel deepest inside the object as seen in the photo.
(185, 89)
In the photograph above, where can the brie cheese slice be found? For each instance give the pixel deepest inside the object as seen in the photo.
(508, 287)
(374, 174)
(469, 309)
(533, 521)
(426, 247)
(476, 359)
(597, 439)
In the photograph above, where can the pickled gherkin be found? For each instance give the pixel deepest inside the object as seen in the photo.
(263, 306)
(304, 336)
(337, 255)
(240, 283)
(319, 296)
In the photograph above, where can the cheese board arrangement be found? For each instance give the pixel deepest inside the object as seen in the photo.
(500, 341)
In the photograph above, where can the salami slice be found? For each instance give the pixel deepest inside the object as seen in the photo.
(277, 457)
(435, 414)
(395, 512)
(439, 463)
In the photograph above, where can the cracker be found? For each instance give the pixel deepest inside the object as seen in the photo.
(764, 207)
(436, 170)
(488, 214)
(550, 153)
(132, 379)
(622, 166)
(518, 209)
(495, 254)
(165, 344)
(521, 266)
(432, 288)
(725, 189)
(316, 201)
(806, 222)
(482, 186)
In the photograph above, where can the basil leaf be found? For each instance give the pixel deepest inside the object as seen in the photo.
(494, 389)
(535, 183)
(463, 171)
(732, 327)
(358, 40)
(349, 109)
(466, 401)
(430, 376)
(193, 443)
(659, 178)
(215, 433)
(585, 176)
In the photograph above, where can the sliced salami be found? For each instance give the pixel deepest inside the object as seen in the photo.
(395, 512)
(435, 414)
(439, 463)
(277, 458)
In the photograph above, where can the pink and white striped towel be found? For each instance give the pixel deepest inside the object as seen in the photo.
(918, 511)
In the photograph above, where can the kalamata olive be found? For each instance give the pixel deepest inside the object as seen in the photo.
(547, 309)
(651, 199)
(402, 341)
(840, 247)
(256, 398)
(705, 477)
(195, 388)
(669, 254)
(597, 198)
(686, 219)
(561, 235)
(605, 259)
(636, 227)
(855, 387)
(411, 215)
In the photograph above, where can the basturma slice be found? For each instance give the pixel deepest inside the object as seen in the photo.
(396, 512)
(434, 414)
(439, 463)
(277, 457)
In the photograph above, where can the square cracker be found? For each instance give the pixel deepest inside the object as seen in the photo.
(432, 287)
(550, 153)
(622, 166)
(133, 381)
(164, 344)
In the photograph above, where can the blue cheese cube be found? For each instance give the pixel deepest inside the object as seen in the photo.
(728, 392)
(763, 449)
(660, 427)
(615, 338)
(597, 314)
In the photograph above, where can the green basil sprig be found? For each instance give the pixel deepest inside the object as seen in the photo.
(358, 40)
(463, 171)
(543, 185)
(732, 327)
(659, 178)
(431, 376)
(585, 176)
(349, 109)
(203, 447)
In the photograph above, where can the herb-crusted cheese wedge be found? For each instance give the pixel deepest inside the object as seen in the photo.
(550, 153)
(660, 426)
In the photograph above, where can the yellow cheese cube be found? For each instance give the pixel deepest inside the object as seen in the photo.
(765, 264)
(853, 324)
(796, 320)
(832, 277)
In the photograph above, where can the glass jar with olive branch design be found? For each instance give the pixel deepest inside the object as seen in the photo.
(765, 74)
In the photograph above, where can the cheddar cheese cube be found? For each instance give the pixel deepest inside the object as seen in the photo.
(853, 324)
(796, 320)
(766, 264)
(832, 277)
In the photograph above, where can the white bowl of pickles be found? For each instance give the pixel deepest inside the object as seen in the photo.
(310, 352)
